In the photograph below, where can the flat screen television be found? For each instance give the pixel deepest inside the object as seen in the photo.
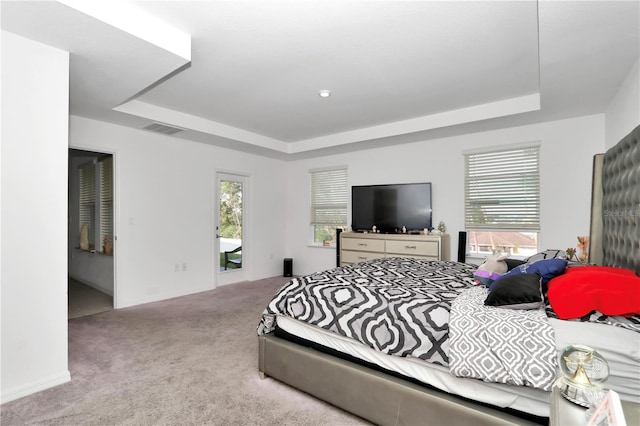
(390, 207)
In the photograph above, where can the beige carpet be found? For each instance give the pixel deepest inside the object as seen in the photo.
(186, 361)
(86, 300)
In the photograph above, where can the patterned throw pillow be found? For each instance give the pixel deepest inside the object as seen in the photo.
(547, 254)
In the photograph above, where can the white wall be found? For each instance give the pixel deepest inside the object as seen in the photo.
(94, 269)
(165, 207)
(623, 113)
(566, 152)
(34, 216)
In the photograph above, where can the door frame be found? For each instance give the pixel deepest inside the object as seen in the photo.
(116, 211)
(232, 276)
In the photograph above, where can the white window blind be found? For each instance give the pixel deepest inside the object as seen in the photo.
(106, 199)
(502, 189)
(329, 197)
(87, 175)
(96, 204)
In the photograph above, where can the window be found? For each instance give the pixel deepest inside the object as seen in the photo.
(87, 206)
(328, 203)
(502, 200)
(106, 204)
(96, 205)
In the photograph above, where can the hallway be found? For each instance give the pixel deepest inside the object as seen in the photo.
(85, 300)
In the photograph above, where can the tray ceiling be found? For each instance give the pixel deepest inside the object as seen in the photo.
(247, 75)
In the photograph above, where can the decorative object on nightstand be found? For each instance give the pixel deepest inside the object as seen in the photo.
(442, 227)
(571, 254)
(584, 371)
(608, 412)
(583, 245)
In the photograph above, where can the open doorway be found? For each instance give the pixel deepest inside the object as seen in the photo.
(90, 233)
(230, 259)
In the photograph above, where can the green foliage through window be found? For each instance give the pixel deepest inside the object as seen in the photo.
(231, 209)
(324, 233)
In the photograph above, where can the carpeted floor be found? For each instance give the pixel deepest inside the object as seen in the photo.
(186, 361)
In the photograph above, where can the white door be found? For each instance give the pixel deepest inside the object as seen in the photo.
(232, 264)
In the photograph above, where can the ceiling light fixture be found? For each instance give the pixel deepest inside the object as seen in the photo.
(324, 93)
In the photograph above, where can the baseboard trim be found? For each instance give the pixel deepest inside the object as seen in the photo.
(160, 297)
(36, 386)
(93, 285)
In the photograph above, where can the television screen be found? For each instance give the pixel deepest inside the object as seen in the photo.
(390, 207)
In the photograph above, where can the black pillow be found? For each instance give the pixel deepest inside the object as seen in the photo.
(521, 291)
(512, 263)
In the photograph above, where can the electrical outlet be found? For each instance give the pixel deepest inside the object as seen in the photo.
(184, 266)
(176, 267)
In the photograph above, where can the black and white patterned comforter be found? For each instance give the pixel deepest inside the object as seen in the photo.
(399, 306)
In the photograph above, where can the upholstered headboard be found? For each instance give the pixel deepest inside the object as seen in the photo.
(619, 235)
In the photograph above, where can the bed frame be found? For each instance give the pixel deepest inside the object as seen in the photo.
(381, 398)
(388, 400)
(615, 213)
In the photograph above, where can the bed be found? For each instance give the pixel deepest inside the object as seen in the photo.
(395, 340)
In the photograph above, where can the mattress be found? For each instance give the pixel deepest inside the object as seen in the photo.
(615, 344)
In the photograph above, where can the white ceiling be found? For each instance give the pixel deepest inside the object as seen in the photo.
(246, 74)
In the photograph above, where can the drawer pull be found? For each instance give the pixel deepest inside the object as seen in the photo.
(410, 247)
(362, 244)
(362, 258)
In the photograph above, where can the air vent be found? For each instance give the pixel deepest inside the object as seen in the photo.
(163, 128)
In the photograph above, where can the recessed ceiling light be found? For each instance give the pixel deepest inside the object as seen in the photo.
(324, 93)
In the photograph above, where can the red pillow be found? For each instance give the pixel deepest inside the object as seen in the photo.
(582, 289)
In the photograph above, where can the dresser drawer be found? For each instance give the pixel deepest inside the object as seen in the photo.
(413, 248)
(363, 244)
(359, 256)
(428, 258)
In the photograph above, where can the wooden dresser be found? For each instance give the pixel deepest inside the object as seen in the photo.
(356, 247)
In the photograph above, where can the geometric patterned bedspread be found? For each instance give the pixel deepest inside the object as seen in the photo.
(630, 323)
(494, 344)
(399, 306)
